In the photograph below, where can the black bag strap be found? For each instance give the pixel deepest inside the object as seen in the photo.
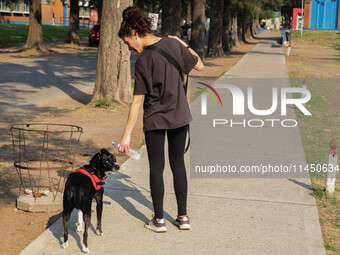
(179, 69)
(168, 57)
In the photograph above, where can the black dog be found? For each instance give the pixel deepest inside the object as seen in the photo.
(81, 187)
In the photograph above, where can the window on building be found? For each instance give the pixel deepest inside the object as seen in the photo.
(84, 12)
(84, 9)
(4, 7)
(47, 1)
(16, 6)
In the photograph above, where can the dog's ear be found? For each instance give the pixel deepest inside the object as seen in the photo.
(104, 151)
(96, 158)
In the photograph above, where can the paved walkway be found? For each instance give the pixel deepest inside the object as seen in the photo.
(229, 216)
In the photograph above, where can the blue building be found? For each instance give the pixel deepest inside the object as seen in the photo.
(322, 14)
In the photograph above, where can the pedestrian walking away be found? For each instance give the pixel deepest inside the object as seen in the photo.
(159, 88)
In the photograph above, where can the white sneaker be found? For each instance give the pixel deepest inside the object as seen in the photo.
(183, 223)
(156, 225)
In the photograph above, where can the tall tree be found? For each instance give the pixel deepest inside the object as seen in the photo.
(140, 3)
(73, 32)
(240, 21)
(34, 38)
(198, 27)
(216, 29)
(226, 37)
(235, 28)
(171, 17)
(188, 14)
(113, 79)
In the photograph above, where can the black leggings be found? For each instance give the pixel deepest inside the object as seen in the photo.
(155, 145)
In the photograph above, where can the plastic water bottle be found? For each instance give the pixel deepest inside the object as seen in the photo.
(133, 152)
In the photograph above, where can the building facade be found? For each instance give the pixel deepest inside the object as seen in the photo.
(322, 14)
(55, 12)
(297, 18)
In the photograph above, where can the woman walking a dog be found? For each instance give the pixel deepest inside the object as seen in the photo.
(159, 87)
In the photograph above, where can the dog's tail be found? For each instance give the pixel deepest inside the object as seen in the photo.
(72, 198)
(77, 199)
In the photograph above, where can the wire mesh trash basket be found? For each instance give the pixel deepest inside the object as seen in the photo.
(43, 154)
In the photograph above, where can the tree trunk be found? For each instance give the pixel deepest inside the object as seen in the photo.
(226, 39)
(188, 19)
(35, 38)
(244, 28)
(171, 18)
(198, 27)
(247, 32)
(253, 29)
(239, 30)
(73, 32)
(100, 9)
(216, 30)
(113, 79)
(235, 37)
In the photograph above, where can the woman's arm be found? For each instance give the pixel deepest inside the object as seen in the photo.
(136, 104)
(199, 65)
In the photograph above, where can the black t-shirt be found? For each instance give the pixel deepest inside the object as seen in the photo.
(165, 103)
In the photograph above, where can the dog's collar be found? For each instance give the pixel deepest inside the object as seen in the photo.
(97, 183)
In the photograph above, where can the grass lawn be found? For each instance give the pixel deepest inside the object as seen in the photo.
(319, 38)
(320, 50)
(12, 35)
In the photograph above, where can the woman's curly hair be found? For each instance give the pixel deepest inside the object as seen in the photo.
(134, 19)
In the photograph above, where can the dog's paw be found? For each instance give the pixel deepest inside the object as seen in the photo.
(85, 249)
(65, 245)
(100, 233)
(80, 227)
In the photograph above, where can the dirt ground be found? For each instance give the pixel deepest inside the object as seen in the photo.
(321, 63)
(100, 126)
(307, 61)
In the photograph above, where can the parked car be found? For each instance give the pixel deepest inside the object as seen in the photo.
(184, 30)
(94, 35)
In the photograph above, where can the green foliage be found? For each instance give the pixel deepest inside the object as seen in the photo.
(319, 192)
(331, 248)
(103, 102)
(252, 9)
(207, 8)
(333, 201)
(13, 35)
(149, 5)
(287, 8)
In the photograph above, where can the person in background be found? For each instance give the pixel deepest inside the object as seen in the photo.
(189, 35)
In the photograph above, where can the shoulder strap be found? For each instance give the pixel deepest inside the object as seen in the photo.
(172, 61)
(168, 57)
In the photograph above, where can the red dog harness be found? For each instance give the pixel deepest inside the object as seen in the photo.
(97, 183)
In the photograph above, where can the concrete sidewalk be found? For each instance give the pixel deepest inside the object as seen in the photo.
(229, 216)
